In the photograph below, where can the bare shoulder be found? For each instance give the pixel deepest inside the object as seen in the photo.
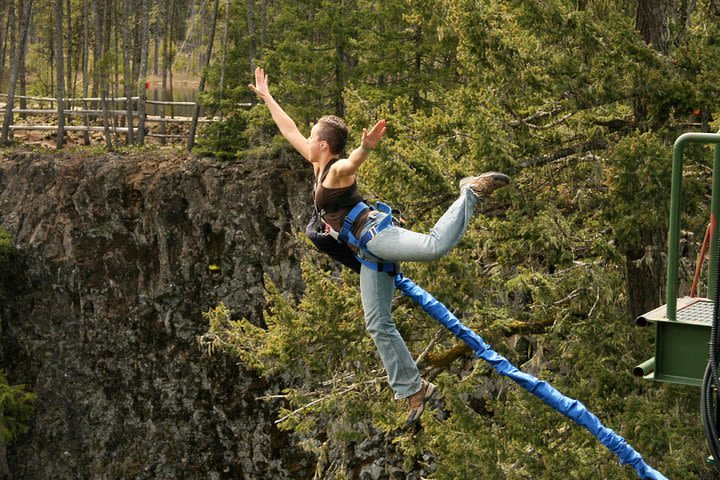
(339, 175)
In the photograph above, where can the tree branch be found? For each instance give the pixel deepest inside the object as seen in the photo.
(540, 114)
(330, 395)
(563, 153)
(442, 360)
(525, 122)
(430, 346)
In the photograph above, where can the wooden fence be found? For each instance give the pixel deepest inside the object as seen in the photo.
(120, 123)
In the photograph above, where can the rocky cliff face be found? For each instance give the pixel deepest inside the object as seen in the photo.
(104, 306)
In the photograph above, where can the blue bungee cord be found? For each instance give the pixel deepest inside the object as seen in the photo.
(569, 407)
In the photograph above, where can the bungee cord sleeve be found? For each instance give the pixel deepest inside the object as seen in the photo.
(569, 407)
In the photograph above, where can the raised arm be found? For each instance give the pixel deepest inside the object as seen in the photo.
(370, 141)
(286, 124)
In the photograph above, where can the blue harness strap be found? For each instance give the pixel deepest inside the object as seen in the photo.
(391, 268)
(384, 223)
(346, 235)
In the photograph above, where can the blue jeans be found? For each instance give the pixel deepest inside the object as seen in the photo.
(395, 244)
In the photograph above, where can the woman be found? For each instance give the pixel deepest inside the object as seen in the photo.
(336, 194)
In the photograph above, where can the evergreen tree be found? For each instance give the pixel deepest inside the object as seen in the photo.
(16, 404)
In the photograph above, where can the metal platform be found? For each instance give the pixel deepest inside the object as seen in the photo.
(681, 345)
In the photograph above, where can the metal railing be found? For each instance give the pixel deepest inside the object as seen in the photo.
(674, 225)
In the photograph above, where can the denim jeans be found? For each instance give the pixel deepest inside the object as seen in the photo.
(395, 244)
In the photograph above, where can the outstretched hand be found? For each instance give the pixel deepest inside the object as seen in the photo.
(371, 139)
(261, 84)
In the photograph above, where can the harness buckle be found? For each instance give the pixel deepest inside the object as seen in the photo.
(346, 236)
(373, 232)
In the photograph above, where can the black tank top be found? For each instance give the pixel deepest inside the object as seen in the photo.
(337, 202)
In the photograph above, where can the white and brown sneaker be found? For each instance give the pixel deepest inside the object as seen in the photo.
(485, 184)
(416, 402)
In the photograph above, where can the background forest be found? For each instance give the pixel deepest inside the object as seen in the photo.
(96, 38)
(578, 101)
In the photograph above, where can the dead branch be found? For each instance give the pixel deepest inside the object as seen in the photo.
(564, 152)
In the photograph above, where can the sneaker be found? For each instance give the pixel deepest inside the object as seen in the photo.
(416, 402)
(485, 184)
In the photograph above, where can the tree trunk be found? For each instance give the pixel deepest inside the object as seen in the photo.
(114, 41)
(163, 91)
(645, 272)
(137, 38)
(203, 76)
(156, 42)
(85, 70)
(195, 58)
(60, 73)
(14, 69)
(3, 37)
(10, 32)
(21, 74)
(107, 48)
(69, 56)
(144, 39)
(51, 55)
(76, 52)
(339, 81)
(263, 27)
(251, 33)
(342, 58)
(645, 278)
(652, 20)
(171, 57)
(93, 44)
(100, 70)
(221, 86)
(127, 73)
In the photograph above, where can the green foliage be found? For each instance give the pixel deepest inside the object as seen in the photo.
(6, 244)
(582, 112)
(7, 266)
(310, 336)
(16, 406)
(639, 176)
(225, 140)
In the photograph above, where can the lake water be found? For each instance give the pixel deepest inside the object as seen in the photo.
(182, 93)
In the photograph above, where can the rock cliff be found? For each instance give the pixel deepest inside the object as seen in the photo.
(118, 257)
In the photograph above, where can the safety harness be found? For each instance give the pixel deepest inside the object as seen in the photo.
(346, 236)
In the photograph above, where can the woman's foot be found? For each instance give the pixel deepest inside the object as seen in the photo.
(416, 402)
(485, 184)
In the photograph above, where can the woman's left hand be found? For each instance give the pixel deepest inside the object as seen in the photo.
(371, 139)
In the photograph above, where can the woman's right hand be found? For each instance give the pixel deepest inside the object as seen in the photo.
(261, 84)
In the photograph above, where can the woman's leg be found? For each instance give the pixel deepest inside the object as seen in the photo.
(396, 244)
(376, 290)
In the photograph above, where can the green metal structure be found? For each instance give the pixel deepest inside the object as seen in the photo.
(682, 325)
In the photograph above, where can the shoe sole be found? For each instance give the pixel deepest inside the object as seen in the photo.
(496, 177)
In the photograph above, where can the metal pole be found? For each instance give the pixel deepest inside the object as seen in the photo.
(714, 215)
(674, 227)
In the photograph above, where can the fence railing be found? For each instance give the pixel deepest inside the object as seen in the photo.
(120, 121)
